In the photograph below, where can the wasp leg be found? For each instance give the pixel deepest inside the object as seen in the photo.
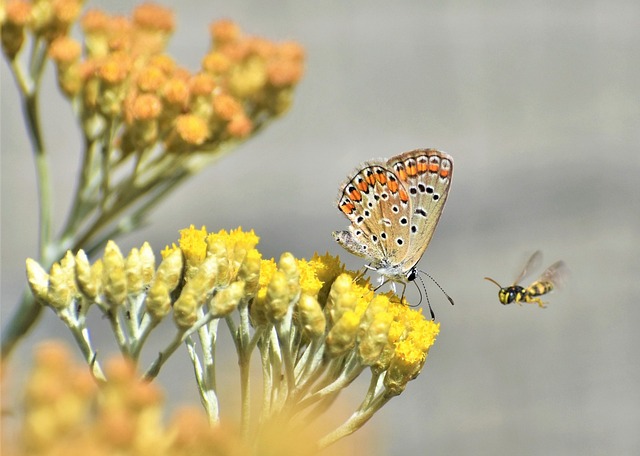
(538, 301)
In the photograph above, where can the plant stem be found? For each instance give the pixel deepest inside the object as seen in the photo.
(29, 310)
(355, 421)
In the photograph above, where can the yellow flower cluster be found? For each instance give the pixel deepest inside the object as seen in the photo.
(316, 327)
(126, 80)
(222, 269)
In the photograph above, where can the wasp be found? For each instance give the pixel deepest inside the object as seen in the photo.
(552, 278)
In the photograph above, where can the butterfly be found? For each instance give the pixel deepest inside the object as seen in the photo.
(552, 277)
(394, 207)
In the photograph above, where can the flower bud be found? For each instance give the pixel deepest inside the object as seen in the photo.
(170, 270)
(342, 337)
(249, 272)
(374, 338)
(148, 264)
(18, 15)
(217, 248)
(158, 302)
(185, 310)
(133, 272)
(113, 275)
(226, 300)
(312, 318)
(341, 297)
(60, 294)
(87, 283)
(277, 300)
(289, 266)
(38, 281)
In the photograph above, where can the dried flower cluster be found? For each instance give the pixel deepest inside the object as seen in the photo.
(315, 328)
(147, 123)
(125, 85)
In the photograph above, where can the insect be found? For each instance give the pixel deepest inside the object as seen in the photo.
(553, 277)
(394, 207)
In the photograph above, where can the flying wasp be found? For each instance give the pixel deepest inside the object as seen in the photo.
(553, 277)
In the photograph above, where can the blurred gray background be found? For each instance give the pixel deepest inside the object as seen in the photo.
(538, 102)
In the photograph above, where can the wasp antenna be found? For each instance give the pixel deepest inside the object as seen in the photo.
(438, 285)
(493, 281)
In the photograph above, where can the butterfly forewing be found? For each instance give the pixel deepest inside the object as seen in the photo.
(426, 174)
(394, 207)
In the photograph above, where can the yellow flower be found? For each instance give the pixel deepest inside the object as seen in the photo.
(309, 282)
(193, 244)
(192, 129)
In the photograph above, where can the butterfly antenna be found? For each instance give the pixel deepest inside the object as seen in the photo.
(433, 315)
(438, 285)
(419, 292)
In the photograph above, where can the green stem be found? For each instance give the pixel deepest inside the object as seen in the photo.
(355, 422)
(244, 355)
(29, 310)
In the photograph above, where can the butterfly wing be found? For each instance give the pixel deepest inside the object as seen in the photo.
(374, 201)
(426, 174)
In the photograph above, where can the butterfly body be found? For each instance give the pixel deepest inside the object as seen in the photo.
(394, 207)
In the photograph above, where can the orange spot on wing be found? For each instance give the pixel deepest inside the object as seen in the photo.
(412, 169)
(355, 195)
(347, 208)
(370, 179)
(434, 167)
(402, 174)
(422, 166)
(403, 196)
(393, 185)
(444, 172)
(363, 186)
(381, 177)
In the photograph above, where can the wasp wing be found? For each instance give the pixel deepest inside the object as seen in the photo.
(557, 274)
(533, 263)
